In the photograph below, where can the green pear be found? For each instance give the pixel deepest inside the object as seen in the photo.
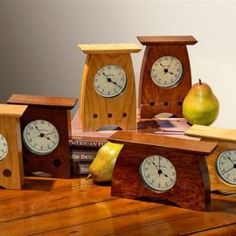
(200, 106)
(101, 168)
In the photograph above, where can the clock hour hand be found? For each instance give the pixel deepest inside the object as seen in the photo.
(109, 80)
(230, 159)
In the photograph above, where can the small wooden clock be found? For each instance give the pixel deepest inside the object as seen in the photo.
(171, 170)
(165, 77)
(108, 96)
(11, 164)
(46, 129)
(222, 162)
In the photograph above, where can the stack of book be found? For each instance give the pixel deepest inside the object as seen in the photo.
(84, 147)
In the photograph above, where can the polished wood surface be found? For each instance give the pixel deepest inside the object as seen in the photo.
(97, 111)
(167, 40)
(154, 99)
(42, 100)
(109, 48)
(79, 207)
(192, 187)
(11, 167)
(57, 111)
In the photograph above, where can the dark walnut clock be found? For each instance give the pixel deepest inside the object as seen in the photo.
(108, 96)
(11, 163)
(164, 169)
(46, 129)
(165, 76)
(222, 162)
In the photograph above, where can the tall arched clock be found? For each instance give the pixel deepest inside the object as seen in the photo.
(107, 96)
(165, 76)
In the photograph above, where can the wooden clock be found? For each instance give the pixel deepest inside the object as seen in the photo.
(108, 96)
(157, 168)
(222, 162)
(46, 129)
(11, 164)
(165, 76)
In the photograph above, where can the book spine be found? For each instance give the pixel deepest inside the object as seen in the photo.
(86, 144)
(83, 155)
(80, 168)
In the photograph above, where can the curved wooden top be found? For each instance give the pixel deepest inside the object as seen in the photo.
(109, 48)
(167, 40)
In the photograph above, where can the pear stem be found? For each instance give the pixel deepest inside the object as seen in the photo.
(199, 81)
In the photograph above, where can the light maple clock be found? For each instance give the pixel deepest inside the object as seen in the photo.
(222, 162)
(108, 96)
(11, 163)
(46, 130)
(165, 76)
(164, 169)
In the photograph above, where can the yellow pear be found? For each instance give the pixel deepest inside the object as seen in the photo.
(200, 106)
(101, 168)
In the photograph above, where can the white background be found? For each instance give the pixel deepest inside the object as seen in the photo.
(38, 38)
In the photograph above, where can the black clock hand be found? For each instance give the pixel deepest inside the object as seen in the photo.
(109, 80)
(230, 158)
(228, 170)
(51, 133)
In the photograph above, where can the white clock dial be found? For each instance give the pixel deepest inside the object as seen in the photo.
(110, 81)
(40, 137)
(158, 173)
(3, 147)
(166, 72)
(226, 166)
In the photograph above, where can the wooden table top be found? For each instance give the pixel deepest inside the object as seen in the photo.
(47, 206)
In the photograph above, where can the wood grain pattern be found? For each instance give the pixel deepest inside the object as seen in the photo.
(153, 99)
(212, 132)
(97, 111)
(109, 48)
(192, 187)
(226, 139)
(42, 100)
(167, 40)
(57, 111)
(79, 207)
(11, 167)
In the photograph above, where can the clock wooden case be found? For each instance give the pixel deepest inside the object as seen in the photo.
(165, 77)
(222, 162)
(108, 96)
(46, 130)
(157, 168)
(11, 163)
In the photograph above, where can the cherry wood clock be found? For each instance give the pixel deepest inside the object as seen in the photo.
(11, 163)
(108, 96)
(165, 76)
(46, 129)
(157, 168)
(222, 162)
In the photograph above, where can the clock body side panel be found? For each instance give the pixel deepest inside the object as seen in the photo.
(97, 111)
(218, 183)
(191, 189)
(13, 162)
(56, 163)
(155, 100)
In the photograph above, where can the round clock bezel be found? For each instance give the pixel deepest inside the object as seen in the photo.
(28, 143)
(220, 174)
(5, 152)
(164, 70)
(160, 188)
(115, 92)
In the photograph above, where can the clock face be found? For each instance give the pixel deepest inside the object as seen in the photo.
(226, 166)
(166, 72)
(158, 173)
(40, 137)
(110, 81)
(3, 147)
